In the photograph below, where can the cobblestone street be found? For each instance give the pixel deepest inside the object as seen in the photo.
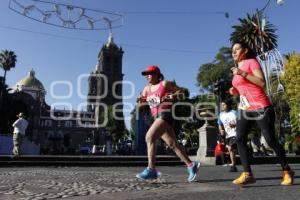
(120, 183)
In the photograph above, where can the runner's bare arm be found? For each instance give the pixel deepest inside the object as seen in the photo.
(142, 98)
(176, 92)
(221, 129)
(256, 77)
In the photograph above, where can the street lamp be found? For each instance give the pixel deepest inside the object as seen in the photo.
(280, 2)
(261, 22)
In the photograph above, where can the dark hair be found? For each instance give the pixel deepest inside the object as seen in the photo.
(250, 53)
(161, 77)
(228, 102)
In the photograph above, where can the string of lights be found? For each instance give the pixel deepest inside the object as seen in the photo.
(76, 17)
(66, 16)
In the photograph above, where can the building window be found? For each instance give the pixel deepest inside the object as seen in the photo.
(107, 59)
(48, 123)
(59, 124)
(68, 124)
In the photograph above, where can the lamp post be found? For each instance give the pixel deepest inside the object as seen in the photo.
(261, 22)
(278, 2)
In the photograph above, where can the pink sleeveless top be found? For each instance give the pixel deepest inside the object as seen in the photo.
(154, 100)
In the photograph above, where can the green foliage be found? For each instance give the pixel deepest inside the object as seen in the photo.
(114, 123)
(3, 88)
(288, 143)
(189, 127)
(291, 80)
(8, 60)
(6, 105)
(250, 32)
(133, 121)
(281, 109)
(208, 74)
(190, 135)
(296, 145)
(292, 143)
(219, 69)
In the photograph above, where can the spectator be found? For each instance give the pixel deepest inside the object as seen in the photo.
(20, 126)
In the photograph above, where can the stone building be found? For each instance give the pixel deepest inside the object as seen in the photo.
(105, 82)
(59, 131)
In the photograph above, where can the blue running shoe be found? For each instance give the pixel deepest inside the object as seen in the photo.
(147, 174)
(193, 171)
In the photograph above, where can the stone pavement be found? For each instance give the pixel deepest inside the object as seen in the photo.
(107, 183)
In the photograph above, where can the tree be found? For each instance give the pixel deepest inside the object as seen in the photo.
(291, 80)
(250, 31)
(218, 70)
(4, 108)
(189, 128)
(3, 88)
(114, 123)
(8, 60)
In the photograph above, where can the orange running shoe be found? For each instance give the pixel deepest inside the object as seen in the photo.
(244, 179)
(288, 177)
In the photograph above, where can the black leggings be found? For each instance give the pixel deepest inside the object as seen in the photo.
(265, 119)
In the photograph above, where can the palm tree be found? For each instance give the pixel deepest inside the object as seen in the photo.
(256, 32)
(8, 60)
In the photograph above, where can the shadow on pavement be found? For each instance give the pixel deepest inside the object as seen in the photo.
(269, 185)
(274, 178)
(214, 181)
(230, 180)
(280, 170)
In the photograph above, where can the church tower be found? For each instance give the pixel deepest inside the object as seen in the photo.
(105, 82)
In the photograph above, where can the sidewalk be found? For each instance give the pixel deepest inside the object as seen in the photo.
(103, 161)
(119, 183)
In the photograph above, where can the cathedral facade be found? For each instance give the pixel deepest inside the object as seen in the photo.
(58, 131)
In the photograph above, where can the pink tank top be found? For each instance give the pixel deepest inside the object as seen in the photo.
(154, 100)
(252, 97)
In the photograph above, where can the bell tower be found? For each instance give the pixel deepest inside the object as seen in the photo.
(105, 82)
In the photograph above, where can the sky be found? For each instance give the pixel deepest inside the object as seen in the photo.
(178, 36)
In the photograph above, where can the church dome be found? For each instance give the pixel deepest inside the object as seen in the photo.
(30, 81)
